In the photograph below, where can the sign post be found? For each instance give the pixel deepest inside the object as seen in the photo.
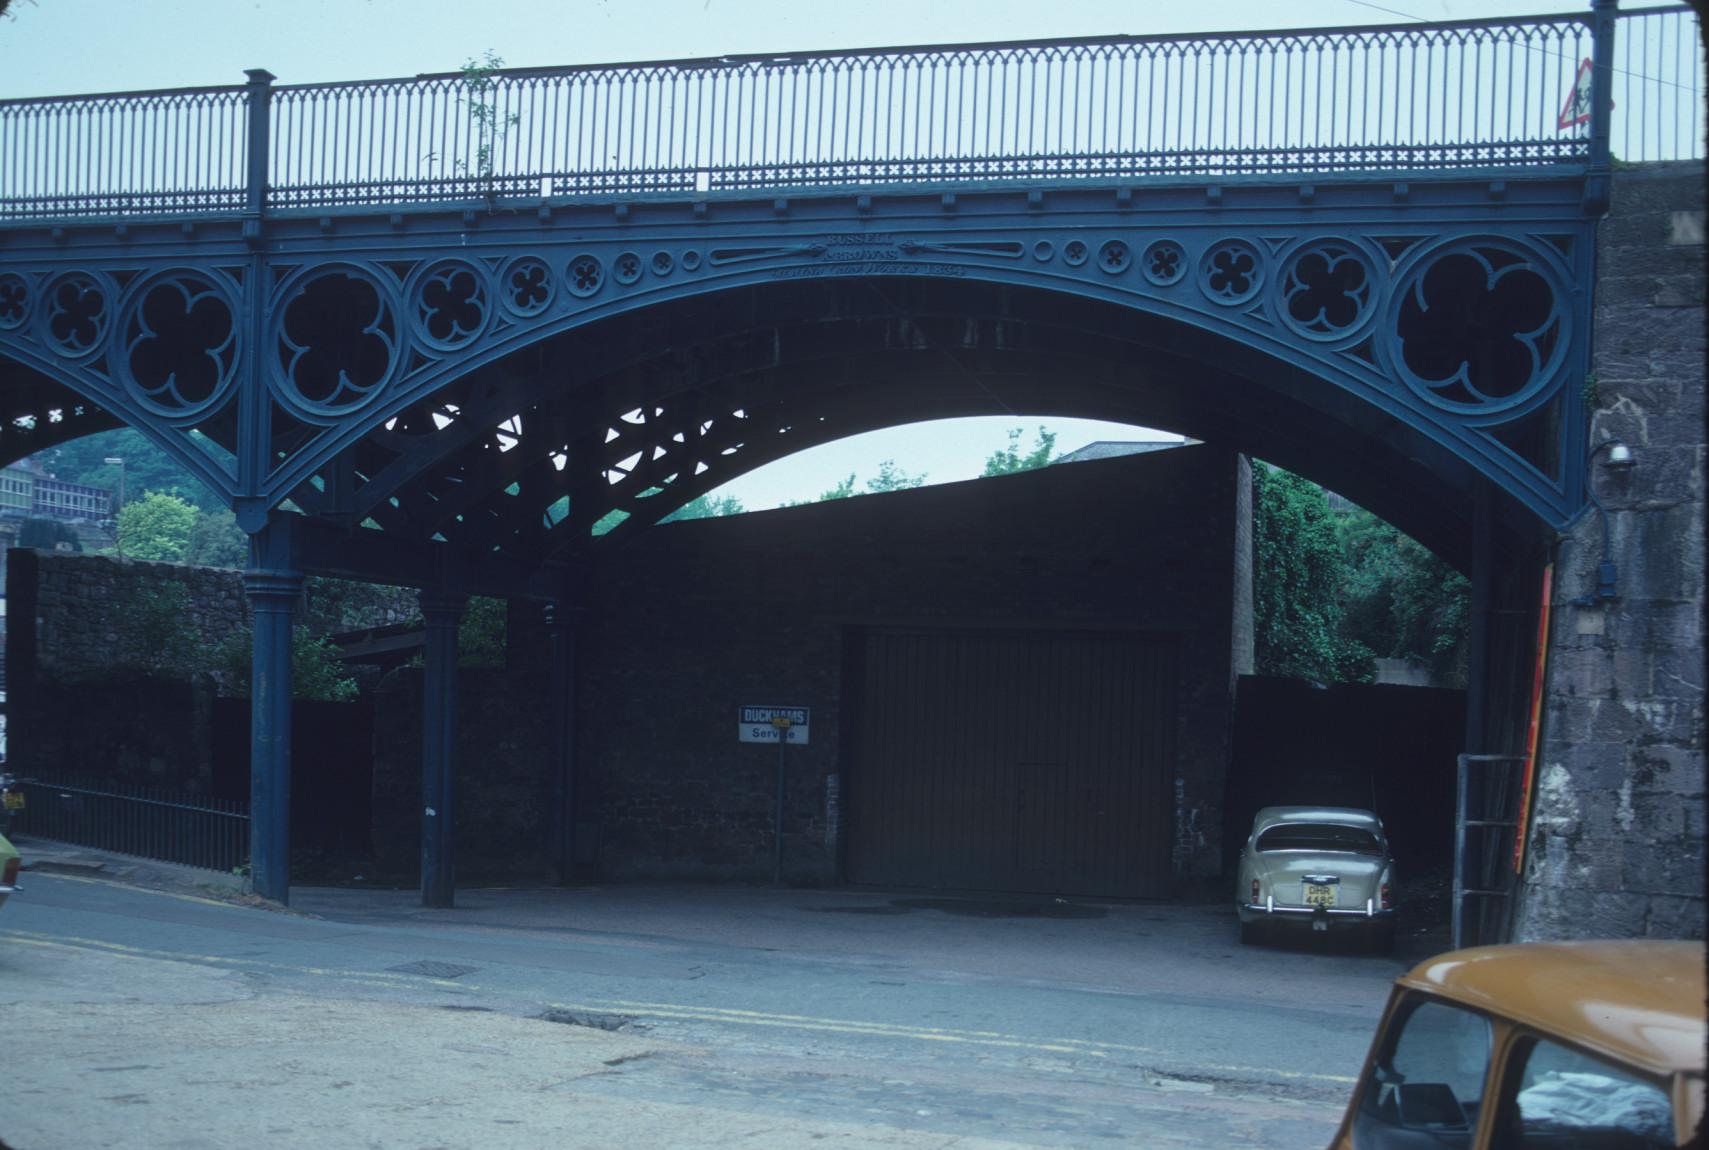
(782, 725)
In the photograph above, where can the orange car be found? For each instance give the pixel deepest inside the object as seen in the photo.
(1593, 1044)
(8, 869)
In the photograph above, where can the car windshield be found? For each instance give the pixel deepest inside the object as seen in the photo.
(1319, 837)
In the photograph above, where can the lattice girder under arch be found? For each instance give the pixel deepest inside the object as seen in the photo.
(652, 431)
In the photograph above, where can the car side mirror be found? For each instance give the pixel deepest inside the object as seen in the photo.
(1429, 1106)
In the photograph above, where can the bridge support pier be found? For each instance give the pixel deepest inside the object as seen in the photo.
(442, 611)
(273, 588)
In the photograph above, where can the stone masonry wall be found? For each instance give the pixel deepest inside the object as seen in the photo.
(503, 792)
(701, 617)
(87, 619)
(1617, 842)
(1244, 633)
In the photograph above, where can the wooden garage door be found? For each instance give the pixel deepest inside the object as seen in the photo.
(1012, 761)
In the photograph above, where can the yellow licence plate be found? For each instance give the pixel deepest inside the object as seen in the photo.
(1319, 894)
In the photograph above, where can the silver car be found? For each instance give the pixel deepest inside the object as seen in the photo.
(1316, 868)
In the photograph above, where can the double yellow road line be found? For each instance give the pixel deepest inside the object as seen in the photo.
(682, 1012)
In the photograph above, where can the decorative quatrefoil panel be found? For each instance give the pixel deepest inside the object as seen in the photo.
(527, 286)
(452, 303)
(1480, 327)
(76, 310)
(180, 344)
(1164, 262)
(336, 342)
(1231, 272)
(1328, 290)
(14, 301)
(585, 275)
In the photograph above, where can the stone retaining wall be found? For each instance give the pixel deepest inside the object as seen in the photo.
(1617, 844)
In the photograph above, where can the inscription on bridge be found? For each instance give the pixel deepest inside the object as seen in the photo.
(866, 267)
(855, 248)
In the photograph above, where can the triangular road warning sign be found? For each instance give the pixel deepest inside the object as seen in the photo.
(1576, 111)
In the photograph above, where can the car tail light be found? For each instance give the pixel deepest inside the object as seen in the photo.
(1387, 902)
(1254, 890)
(10, 876)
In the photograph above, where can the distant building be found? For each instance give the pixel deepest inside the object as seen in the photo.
(1111, 448)
(30, 493)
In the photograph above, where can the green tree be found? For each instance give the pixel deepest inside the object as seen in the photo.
(1299, 576)
(146, 467)
(844, 489)
(893, 478)
(1008, 460)
(316, 672)
(706, 507)
(1403, 601)
(217, 541)
(481, 636)
(157, 527)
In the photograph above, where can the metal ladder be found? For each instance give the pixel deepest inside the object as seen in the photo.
(1485, 822)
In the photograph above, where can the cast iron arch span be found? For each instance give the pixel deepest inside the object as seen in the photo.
(159, 349)
(645, 411)
(1454, 310)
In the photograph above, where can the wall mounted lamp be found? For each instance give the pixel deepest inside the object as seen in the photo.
(1607, 574)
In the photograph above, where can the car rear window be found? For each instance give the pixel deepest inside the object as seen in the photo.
(1320, 837)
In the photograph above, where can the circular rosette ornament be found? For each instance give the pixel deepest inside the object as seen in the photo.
(336, 342)
(452, 303)
(1480, 327)
(76, 311)
(1115, 257)
(1327, 289)
(180, 344)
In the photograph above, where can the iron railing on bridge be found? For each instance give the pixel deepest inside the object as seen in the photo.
(196, 831)
(1481, 94)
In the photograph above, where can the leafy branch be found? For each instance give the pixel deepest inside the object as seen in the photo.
(490, 126)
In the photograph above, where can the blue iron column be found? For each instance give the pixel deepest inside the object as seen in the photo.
(442, 610)
(273, 592)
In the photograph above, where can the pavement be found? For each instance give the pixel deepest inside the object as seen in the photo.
(45, 856)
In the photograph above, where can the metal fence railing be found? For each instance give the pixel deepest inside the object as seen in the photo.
(132, 153)
(195, 831)
(1479, 94)
(1658, 86)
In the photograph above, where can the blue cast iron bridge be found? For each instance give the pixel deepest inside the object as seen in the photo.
(462, 331)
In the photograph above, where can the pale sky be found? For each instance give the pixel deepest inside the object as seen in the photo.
(63, 47)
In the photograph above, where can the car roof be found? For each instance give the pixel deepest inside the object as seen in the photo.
(1638, 1002)
(1336, 816)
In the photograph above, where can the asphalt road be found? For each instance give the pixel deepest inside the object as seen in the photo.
(668, 1017)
